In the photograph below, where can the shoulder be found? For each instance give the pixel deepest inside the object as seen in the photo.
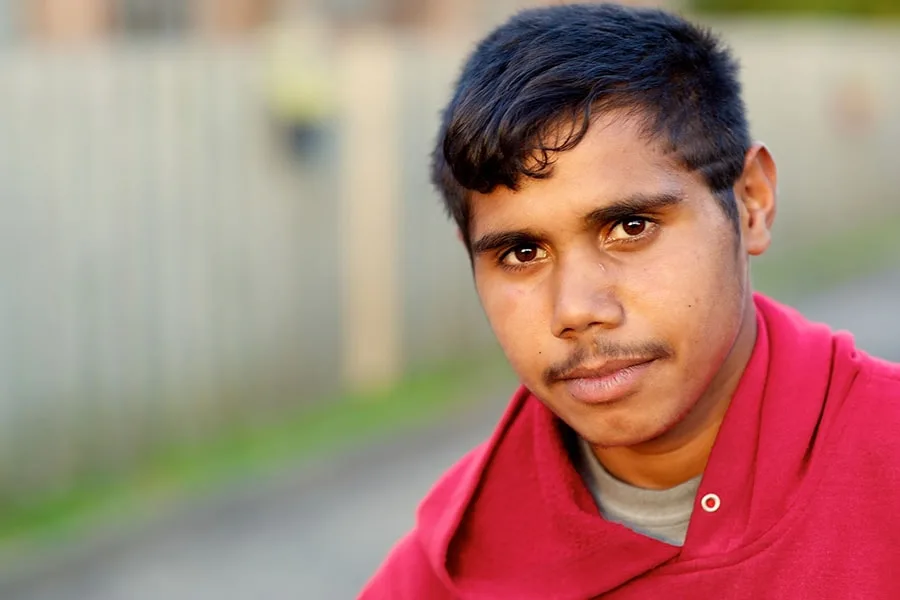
(414, 568)
(878, 382)
(871, 409)
(878, 368)
(443, 507)
(406, 574)
(454, 486)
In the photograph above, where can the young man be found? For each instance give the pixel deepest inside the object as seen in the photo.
(676, 436)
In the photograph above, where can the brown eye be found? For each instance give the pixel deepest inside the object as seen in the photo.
(524, 254)
(631, 229)
(634, 227)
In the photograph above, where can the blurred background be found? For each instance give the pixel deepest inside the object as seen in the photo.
(238, 338)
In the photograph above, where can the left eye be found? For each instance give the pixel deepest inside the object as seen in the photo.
(524, 254)
(629, 228)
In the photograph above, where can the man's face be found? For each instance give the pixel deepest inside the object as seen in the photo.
(617, 287)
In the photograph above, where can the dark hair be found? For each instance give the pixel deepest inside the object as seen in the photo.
(548, 66)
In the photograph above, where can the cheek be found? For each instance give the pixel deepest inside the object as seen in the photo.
(516, 318)
(717, 309)
(693, 295)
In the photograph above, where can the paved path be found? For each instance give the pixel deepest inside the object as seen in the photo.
(318, 535)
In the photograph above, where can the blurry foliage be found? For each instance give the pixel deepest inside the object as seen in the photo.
(868, 8)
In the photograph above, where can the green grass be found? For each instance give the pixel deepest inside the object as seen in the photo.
(338, 423)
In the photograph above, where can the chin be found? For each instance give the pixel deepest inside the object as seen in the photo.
(622, 432)
(620, 440)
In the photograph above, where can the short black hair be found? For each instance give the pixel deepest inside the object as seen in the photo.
(548, 65)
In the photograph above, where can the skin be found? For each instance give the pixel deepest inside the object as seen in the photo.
(623, 256)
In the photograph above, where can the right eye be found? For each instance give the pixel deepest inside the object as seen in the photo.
(522, 255)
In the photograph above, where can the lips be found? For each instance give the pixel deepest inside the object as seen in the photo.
(608, 382)
(605, 369)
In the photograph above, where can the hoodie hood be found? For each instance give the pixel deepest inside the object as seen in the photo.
(514, 518)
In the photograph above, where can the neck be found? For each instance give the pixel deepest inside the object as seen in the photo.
(682, 453)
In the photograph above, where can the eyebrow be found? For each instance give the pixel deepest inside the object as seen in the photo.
(633, 205)
(629, 206)
(491, 242)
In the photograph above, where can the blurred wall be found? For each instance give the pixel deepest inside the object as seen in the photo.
(170, 265)
(180, 258)
(821, 95)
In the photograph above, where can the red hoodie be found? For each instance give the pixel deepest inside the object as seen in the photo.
(806, 466)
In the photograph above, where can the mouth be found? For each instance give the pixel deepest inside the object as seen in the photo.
(608, 382)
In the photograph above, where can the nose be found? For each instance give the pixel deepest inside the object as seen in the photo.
(584, 298)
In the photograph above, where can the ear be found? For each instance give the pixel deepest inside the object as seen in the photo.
(755, 194)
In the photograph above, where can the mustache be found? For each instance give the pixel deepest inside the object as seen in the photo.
(603, 350)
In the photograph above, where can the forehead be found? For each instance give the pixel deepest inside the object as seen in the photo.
(615, 160)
